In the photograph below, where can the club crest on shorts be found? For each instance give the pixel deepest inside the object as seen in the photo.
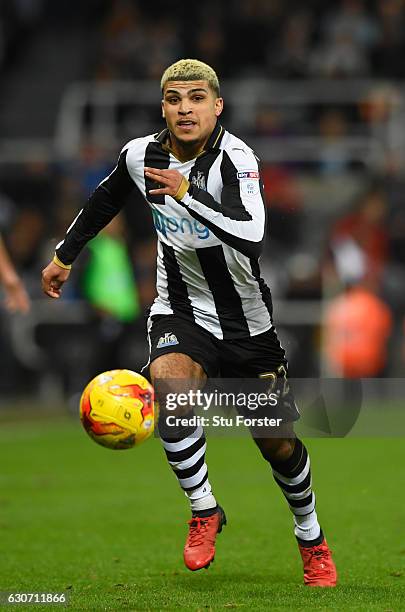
(168, 339)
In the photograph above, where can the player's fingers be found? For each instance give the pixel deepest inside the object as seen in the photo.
(159, 191)
(152, 173)
(165, 180)
(163, 175)
(51, 287)
(157, 171)
(53, 292)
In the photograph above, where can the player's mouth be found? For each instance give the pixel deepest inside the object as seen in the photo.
(186, 125)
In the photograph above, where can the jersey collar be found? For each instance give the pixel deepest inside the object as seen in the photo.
(214, 140)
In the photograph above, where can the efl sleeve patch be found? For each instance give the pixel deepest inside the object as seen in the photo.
(248, 174)
(249, 182)
(250, 188)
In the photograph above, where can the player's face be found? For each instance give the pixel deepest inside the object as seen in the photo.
(191, 109)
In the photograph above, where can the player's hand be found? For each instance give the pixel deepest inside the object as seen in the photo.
(17, 299)
(169, 181)
(53, 277)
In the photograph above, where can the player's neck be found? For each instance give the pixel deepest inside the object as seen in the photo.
(185, 151)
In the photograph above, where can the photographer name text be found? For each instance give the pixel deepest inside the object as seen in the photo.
(221, 421)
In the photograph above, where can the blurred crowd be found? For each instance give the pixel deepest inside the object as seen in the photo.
(328, 241)
(291, 39)
(138, 39)
(18, 19)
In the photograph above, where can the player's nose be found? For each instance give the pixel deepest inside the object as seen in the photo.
(184, 108)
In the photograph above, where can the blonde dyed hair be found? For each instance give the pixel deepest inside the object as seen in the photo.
(191, 70)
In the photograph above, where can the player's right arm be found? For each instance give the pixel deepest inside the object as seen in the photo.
(238, 217)
(102, 206)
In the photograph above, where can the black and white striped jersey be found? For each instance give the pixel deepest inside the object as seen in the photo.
(209, 242)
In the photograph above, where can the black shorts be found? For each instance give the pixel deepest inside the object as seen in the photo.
(257, 357)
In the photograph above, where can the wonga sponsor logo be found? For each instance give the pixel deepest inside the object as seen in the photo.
(180, 225)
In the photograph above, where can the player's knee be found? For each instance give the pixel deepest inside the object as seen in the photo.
(176, 366)
(175, 377)
(275, 449)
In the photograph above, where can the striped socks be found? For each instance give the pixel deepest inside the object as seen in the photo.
(294, 479)
(186, 455)
(185, 451)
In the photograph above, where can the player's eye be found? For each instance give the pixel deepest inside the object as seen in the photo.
(173, 100)
(198, 98)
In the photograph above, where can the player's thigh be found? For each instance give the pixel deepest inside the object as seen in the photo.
(252, 357)
(170, 335)
(181, 357)
(175, 377)
(260, 367)
(176, 365)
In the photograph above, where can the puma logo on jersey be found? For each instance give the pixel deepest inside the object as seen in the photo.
(168, 339)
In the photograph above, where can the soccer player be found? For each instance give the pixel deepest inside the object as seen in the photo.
(16, 295)
(213, 313)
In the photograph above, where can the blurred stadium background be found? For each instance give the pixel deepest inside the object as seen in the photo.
(316, 88)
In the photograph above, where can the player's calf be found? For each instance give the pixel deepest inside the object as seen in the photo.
(291, 469)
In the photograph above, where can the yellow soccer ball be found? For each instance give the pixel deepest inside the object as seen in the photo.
(117, 409)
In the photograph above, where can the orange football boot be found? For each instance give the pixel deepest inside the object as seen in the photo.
(199, 550)
(319, 569)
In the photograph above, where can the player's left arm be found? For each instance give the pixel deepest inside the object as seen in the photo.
(238, 219)
(101, 207)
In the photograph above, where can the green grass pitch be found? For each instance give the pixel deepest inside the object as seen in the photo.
(108, 527)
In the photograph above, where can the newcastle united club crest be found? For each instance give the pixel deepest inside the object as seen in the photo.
(199, 180)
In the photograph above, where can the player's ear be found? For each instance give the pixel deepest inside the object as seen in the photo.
(219, 106)
(163, 110)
